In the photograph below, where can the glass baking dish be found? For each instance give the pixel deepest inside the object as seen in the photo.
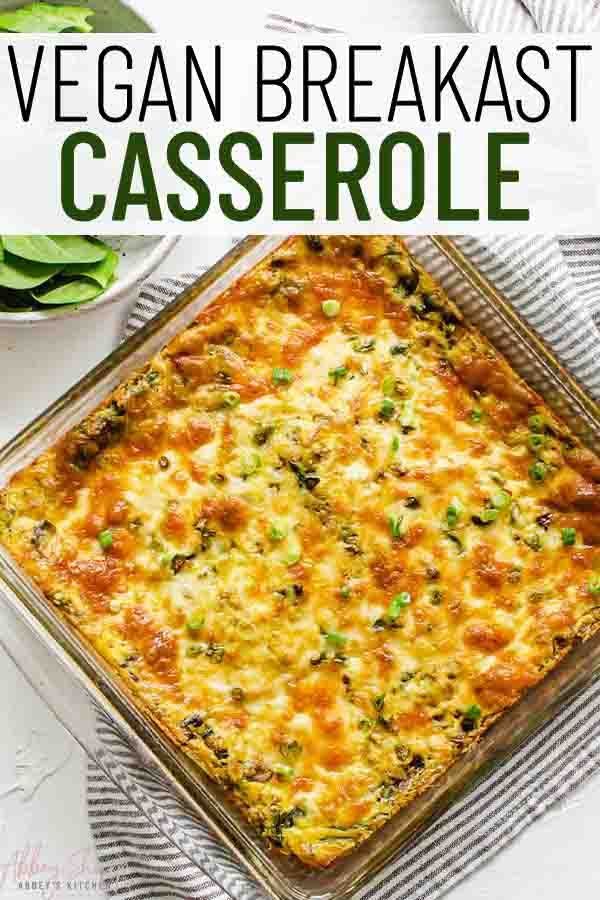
(81, 673)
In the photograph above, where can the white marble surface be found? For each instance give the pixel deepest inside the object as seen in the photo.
(43, 828)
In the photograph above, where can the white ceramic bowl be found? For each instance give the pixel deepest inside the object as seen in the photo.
(139, 256)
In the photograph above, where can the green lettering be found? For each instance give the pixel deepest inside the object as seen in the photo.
(282, 176)
(335, 177)
(137, 156)
(255, 196)
(67, 177)
(446, 212)
(497, 176)
(188, 176)
(386, 180)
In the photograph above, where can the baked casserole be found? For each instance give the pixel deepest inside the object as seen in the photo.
(326, 536)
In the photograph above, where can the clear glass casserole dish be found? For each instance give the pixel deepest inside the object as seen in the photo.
(83, 673)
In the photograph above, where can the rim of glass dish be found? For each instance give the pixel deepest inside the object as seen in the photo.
(92, 672)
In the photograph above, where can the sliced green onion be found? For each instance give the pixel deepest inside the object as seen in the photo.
(293, 557)
(195, 622)
(594, 585)
(335, 639)
(398, 603)
(536, 441)
(476, 415)
(250, 465)
(331, 308)
(473, 712)
(387, 409)
(283, 771)
(395, 523)
(282, 376)
(569, 536)
(489, 514)
(395, 443)
(363, 345)
(533, 540)
(538, 471)
(277, 533)
(105, 539)
(389, 386)
(453, 514)
(516, 517)
(231, 399)
(345, 591)
(501, 500)
(537, 423)
(338, 373)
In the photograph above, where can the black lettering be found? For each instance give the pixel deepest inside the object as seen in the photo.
(157, 64)
(25, 105)
(126, 88)
(321, 83)
(279, 81)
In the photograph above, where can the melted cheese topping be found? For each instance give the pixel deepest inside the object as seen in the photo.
(326, 542)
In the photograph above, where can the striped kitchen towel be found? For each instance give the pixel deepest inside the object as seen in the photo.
(529, 15)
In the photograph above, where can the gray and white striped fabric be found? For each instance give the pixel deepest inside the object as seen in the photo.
(149, 846)
(529, 15)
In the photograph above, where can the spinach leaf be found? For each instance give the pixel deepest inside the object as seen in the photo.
(44, 17)
(79, 291)
(55, 249)
(101, 272)
(22, 274)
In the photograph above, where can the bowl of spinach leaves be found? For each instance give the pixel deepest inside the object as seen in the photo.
(54, 16)
(45, 276)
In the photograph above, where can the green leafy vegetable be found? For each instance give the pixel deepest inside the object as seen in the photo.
(52, 270)
(79, 291)
(101, 272)
(22, 274)
(73, 269)
(55, 249)
(37, 18)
